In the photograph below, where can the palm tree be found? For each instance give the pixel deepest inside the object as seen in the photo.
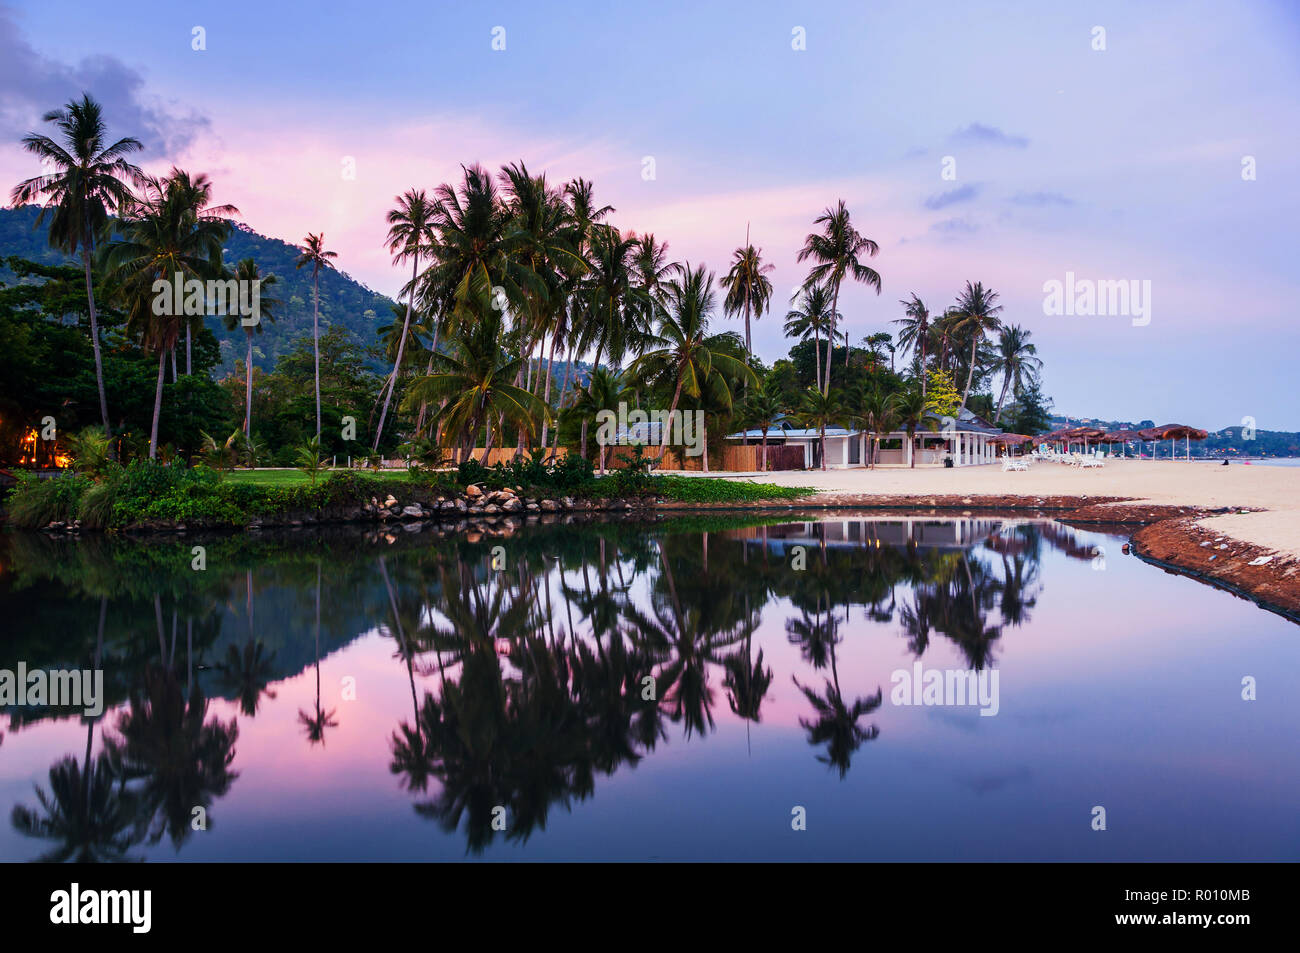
(171, 231)
(604, 391)
(247, 674)
(817, 410)
(314, 254)
(247, 271)
(876, 411)
(315, 723)
(976, 314)
(611, 304)
(763, 408)
(410, 235)
(88, 814)
(748, 287)
(813, 315)
(837, 723)
(682, 352)
(910, 410)
(475, 385)
(915, 332)
(1017, 361)
(183, 757)
(79, 197)
(836, 251)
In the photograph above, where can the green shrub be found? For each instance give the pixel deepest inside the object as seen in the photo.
(96, 509)
(37, 501)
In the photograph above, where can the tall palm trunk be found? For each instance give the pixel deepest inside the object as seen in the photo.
(248, 387)
(428, 369)
(94, 339)
(397, 364)
(315, 339)
(677, 394)
(564, 390)
(830, 338)
(546, 391)
(997, 417)
(922, 368)
(749, 352)
(970, 372)
(157, 404)
(817, 353)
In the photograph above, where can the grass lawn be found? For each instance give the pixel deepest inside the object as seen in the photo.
(296, 477)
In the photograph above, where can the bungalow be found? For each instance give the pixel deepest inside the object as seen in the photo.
(966, 440)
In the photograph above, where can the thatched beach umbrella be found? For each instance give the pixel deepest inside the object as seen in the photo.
(1121, 437)
(1080, 434)
(1010, 440)
(1055, 437)
(1172, 432)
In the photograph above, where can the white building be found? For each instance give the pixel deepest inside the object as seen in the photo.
(966, 440)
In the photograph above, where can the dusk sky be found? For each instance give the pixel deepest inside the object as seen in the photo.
(1116, 163)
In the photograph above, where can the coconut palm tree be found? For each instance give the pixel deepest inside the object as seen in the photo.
(1016, 361)
(476, 385)
(976, 314)
(915, 332)
(763, 408)
(86, 812)
(314, 254)
(544, 239)
(473, 254)
(183, 758)
(748, 287)
(818, 410)
(247, 271)
(836, 251)
(910, 410)
(170, 232)
(410, 236)
(651, 268)
(682, 352)
(812, 316)
(605, 391)
(87, 183)
(876, 411)
(315, 723)
(612, 305)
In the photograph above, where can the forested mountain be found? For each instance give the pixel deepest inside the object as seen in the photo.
(343, 300)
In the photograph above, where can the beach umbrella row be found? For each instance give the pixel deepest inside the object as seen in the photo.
(1172, 432)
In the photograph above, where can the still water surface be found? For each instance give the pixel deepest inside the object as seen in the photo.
(357, 696)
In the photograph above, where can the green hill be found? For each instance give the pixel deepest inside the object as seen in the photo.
(343, 300)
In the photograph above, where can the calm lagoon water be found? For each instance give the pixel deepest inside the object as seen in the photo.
(349, 695)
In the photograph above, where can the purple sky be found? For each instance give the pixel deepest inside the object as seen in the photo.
(1116, 163)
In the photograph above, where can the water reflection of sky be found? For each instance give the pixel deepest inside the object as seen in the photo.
(1121, 689)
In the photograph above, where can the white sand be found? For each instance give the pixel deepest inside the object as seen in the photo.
(1276, 489)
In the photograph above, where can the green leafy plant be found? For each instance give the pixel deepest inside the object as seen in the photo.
(308, 459)
(220, 456)
(38, 501)
(91, 451)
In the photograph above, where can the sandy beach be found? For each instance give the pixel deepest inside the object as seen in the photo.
(1236, 526)
(1275, 490)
